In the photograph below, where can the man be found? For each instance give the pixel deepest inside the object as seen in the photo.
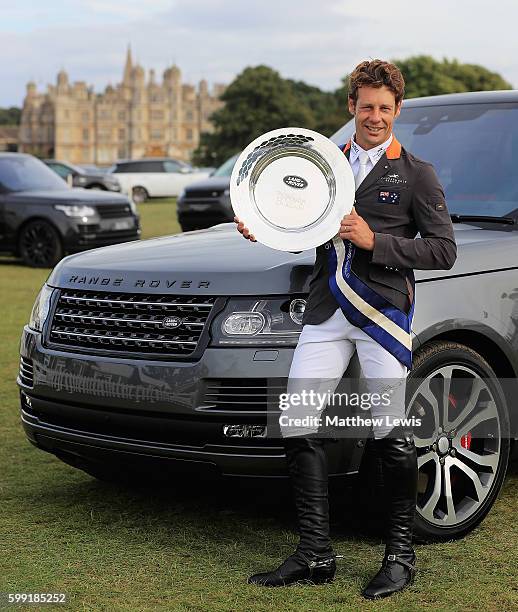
(362, 298)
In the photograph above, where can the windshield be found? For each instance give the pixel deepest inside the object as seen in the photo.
(474, 149)
(91, 169)
(26, 173)
(226, 168)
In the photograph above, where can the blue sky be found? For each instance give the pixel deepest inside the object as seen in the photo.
(318, 41)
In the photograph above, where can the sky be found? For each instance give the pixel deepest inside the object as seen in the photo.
(317, 41)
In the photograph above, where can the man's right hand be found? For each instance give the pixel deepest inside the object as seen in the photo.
(244, 231)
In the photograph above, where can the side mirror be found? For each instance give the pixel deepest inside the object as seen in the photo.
(184, 170)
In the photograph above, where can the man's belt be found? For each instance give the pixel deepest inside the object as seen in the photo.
(365, 308)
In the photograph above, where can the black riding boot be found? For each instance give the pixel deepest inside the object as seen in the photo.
(399, 464)
(313, 561)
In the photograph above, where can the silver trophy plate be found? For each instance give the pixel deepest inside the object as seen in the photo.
(291, 187)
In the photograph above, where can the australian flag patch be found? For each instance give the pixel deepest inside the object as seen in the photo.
(389, 197)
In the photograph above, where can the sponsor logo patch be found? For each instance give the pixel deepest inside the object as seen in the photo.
(393, 178)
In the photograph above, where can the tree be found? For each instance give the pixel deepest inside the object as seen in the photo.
(425, 76)
(10, 116)
(327, 108)
(257, 101)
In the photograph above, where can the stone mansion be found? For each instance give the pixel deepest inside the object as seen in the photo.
(136, 118)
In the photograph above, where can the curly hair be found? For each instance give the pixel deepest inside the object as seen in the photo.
(376, 73)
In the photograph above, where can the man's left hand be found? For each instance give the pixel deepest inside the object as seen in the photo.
(356, 229)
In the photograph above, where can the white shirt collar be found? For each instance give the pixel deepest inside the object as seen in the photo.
(374, 154)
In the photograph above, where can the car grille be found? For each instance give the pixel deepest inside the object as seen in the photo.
(207, 194)
(26, 372)
(128, 322)
(243, 395)
(111, 211)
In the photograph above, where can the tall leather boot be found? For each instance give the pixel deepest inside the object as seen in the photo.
(399, 464)
(313, 560)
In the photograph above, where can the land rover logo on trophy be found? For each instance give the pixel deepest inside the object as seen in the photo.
(171, 322)
(297, 182)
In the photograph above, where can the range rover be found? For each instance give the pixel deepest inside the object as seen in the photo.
(141, 354)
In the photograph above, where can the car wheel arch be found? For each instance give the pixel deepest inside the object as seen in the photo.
(482, 340)
(488, 349)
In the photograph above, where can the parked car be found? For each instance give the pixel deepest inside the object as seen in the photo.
(207, 203)
(139, 354)
(155, 177)
(79, 176)
(42, 218)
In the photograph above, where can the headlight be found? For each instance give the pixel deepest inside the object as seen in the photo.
(40, 310)
(249, 321)
(226, 197)
(82, 179)
(181, 194)
(133, 206)
(72, 210)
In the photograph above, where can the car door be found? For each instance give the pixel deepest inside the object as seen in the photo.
(9, 218)
(3, 225)
(176, 180)
(152, 177)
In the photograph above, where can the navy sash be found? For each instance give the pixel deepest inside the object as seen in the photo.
(368, 310)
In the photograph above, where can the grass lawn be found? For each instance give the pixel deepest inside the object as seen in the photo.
(190, 545)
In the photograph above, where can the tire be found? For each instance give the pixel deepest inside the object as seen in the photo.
(463, 446)
(39, 244)
(139, 194)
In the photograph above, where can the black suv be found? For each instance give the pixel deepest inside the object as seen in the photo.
(42, 218)
(207, 203)
(83, 177)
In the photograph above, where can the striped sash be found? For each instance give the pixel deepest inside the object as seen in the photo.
(363, 307)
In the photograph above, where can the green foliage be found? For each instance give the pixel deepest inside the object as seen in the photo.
(328, 109)
(425, 76)
(257, 101)
(10, 116)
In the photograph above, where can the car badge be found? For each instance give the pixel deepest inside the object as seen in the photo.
(172, 322)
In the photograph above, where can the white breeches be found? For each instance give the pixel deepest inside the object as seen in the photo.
(320, 359)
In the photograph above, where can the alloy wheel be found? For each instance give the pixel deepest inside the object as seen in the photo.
(458, 446)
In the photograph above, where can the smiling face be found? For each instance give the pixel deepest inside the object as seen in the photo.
(374, 113)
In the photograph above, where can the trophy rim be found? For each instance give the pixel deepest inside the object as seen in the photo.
(305, 144)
